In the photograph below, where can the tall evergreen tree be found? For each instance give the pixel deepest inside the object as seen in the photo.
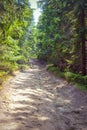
(15, 19)
(62, 30)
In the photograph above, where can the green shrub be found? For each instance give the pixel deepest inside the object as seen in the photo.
(55, 70)
(2, 76)
(69, 76)
(23, 67)
(6, 69)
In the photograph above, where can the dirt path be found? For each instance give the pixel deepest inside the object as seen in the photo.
(37, 100)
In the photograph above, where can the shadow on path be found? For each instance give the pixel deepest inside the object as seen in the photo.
(36, 100)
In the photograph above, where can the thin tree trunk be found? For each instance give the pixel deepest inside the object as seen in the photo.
(83, 42)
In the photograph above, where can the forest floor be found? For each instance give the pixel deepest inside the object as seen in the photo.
(37, 100)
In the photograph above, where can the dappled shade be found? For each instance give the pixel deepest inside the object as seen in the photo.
(36, 100)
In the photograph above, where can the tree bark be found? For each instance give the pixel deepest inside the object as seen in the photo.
(83, 41)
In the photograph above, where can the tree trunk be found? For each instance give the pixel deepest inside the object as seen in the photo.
(83, 41)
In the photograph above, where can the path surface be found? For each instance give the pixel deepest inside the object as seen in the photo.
(36, 100)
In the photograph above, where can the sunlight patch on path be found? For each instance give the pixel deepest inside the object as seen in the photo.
(36, 100)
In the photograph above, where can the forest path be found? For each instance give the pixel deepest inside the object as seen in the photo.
(36, 100)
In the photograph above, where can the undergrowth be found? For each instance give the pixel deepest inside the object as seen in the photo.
(8, 70)
(79, 80)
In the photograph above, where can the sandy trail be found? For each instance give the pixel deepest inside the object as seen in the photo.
(36, 100)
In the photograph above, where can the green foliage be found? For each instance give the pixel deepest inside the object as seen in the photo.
(55, 70)
(59, 33)
(3, 75)
(76, 78)
(81, 87)
(79, 80)
(15, 21)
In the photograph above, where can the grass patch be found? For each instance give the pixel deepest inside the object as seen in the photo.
(55, 70)
(79, 80)
(81, 86)
(72, 77)
(2, 76)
